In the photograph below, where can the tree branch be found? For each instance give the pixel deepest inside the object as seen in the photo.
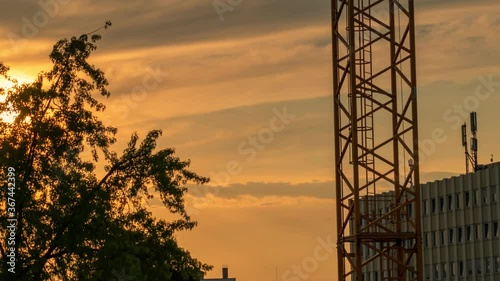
(82, 201)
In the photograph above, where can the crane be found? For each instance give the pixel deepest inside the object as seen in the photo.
(376, 133)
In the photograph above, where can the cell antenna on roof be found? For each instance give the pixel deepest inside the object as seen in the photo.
(473, 140)
(471, 157)
(464, 144)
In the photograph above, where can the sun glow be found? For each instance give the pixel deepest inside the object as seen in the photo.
(6, 85)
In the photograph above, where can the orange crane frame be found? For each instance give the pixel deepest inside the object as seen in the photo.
(376, 131)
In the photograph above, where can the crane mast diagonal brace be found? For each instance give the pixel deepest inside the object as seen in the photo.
(376, 132)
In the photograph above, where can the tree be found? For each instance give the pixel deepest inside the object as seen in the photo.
(72, 224)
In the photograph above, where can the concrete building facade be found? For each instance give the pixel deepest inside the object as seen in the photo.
(460, 228)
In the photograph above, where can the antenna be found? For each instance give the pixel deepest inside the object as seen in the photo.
(464, 135)
(473, 144)
(472, 157)
(473, 122)
(464, 144)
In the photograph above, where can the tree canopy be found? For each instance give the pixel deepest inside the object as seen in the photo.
(72, 224)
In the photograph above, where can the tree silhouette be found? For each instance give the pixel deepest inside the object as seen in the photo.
(72, 225)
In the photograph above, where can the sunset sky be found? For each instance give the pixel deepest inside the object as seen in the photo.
(214, 83)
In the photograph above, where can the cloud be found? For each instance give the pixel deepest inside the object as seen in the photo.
(270, 193)
(216, 65)
(212, 136)
(323, 190)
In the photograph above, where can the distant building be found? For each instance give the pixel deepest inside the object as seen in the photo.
(460, 228)
(225, 276)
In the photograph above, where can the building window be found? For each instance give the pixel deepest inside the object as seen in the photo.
(493, 194)
(495, 229)
(450, 236)
(433, 206)
(461, 268)
(428, 272)
(468, 233)
(475, 196)
(477, 229)
(436, 271)
(434, 242)
(412, 274)
(484, 195)
(441, 204)
(452, 269)
(467, 199)
(470, 270)
(450, 202)
(426, 239)
(457, 200)
(486, 230)
(445, 273)
(497, 264)
(410, 210)
(459, 234)
(424, 207)
(478, 267)
(442, 237)
(487, 265)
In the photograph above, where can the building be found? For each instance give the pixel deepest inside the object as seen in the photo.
(460, 228)
(225, 276)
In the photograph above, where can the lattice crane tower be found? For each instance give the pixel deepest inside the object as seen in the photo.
(376, 134)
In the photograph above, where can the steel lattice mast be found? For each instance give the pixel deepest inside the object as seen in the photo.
(376, 133)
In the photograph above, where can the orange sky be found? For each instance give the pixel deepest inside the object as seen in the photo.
(213, 85)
